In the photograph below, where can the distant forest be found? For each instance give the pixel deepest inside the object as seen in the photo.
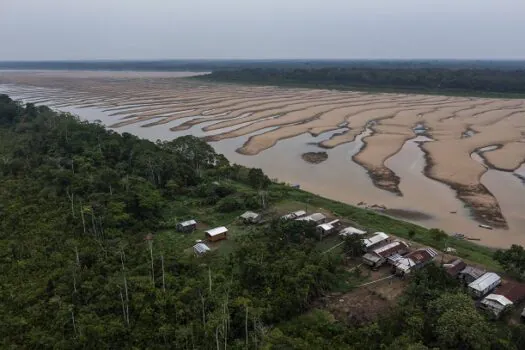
(469, 81)
(216, 65)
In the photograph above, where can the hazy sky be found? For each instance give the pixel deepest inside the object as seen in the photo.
(155, 29)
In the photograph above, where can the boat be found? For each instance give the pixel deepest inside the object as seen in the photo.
(487, 227)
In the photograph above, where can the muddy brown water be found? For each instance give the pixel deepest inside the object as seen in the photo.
(339, 177)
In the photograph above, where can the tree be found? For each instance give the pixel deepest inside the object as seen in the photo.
(257, 179)
(353, 246)
(458, 324)
(512, 260)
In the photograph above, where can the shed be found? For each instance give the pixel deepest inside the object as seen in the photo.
(216, 234)
(413, 261)
(200, 249)
(379, 256)
(294, 215)
(349, 231)
(250, 217)
(329, 228)
(187, 226)
(484, 285)
(470, 273)
(454, 267)
(375, 240)
(495, 303)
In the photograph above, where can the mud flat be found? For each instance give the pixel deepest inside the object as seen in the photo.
(272, 128)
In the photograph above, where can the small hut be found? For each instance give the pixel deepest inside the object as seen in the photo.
(216, 234)
(187, 226)
(200, 249)
(250, 217)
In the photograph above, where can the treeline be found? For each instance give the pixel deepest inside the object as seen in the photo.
(80, 269)
(419, 79)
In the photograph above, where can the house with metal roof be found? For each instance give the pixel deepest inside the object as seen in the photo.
(495, 303)
(326, 229)
(470, 273)
(187, 226)
(379, 256)
(413, 261)
(349, 231)
(484, 285)
(375, 240)
(250, 217)
(504, 297)
(294, 215)
(316, 218)
(200, 249)
(216, 234)
(454, 267)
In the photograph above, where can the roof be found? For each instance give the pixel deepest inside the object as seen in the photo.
(371, 257)
(500, 299)
(473, 272)
(351, 231)
(294, 215)
(391, 248)
(217, 231)
(188, 223)
(513, 291)
(485, 281)
(201, 248)
(317, 216)
(299, 213)
(376, 238)
(454, 267)
(249, 215)
(417, 257)
(326, 227)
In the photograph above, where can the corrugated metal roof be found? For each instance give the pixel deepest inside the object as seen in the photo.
(325, 227)
(376, 238)
(317, 216)
(299, 213)
(351, 231)
(188, 223)
(500, 299)
(485, 281)
(201, 248)
(417, 257)
(371, 257)
(454, 267)
(250, 215)
(217, 231)
(473, 272)
(391, 248)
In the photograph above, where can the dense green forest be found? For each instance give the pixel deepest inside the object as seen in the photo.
(77, 202)
(462, 80)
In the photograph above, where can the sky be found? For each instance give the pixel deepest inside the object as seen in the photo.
(261, 29)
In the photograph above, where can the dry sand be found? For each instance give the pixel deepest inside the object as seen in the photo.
(269, 114)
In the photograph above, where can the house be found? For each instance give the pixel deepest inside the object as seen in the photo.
(329, 228)
(470, 273)
(187, 226)
(316, 218)
(484, 285)
(454, 267)
(349, 231)
(216, 234)
(495, 303)
(250, 217)
(413, 261)
(379, 256)
(200, 249)
(294, 215)
(375, 240)
(504, 297)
